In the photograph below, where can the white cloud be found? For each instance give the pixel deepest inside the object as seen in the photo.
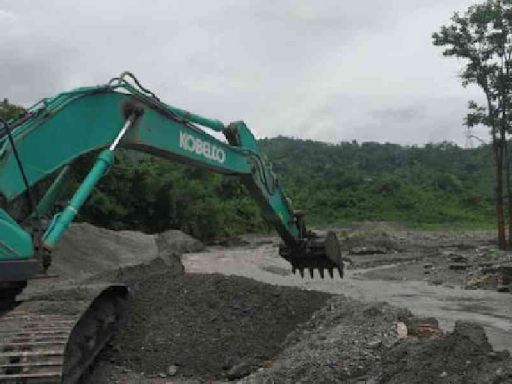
(6, 16)
(329, 70)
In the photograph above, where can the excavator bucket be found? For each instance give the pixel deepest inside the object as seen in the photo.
(319, 252)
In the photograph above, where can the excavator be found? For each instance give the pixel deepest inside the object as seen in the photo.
(55, 339)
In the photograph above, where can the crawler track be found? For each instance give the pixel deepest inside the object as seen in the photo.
(8, 292)
(54, 339)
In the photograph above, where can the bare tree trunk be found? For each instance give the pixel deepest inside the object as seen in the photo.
(502, 241)
(500, 217)
(506, 60)
(509, 199)
(509, 194)
(497, 146)
(505, 72)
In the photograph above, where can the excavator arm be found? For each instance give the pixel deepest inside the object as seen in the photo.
(38, 150)
(56, 131)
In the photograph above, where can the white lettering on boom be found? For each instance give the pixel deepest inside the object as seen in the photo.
(202, 148)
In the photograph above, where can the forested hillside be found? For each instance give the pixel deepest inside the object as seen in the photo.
(420, 186)
(432, 184)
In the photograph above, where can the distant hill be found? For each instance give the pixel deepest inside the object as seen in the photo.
(432, 184)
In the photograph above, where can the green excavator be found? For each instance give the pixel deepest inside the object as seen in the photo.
(40, 344)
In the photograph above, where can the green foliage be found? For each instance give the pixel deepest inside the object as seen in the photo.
(435, 184)
(152, 195)
(9, 111)
(482, 39)
(438, 184)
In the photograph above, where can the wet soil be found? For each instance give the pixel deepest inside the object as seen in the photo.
(473, 267)
(463, 356)
(209, 320)
(343, 341)
(207, 325)
(396, 276)
(354, 343)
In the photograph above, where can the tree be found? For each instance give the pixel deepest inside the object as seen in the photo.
(10, 111)
(482, 37)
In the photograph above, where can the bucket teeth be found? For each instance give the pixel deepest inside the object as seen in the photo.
(321, 271)
(315, 251)
(320, 265)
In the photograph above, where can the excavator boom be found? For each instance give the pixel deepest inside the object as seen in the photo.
(58, 130)
(44, 143)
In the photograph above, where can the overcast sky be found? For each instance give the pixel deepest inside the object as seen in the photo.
(327, 70)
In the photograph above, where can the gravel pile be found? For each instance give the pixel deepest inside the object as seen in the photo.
(86, 250)
(205, 326)
(192, 328)
(342, 343)
(351, 342)
(461, 357)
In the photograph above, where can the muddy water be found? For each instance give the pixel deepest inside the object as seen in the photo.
(261, 262)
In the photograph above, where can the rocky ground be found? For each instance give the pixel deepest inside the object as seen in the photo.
(351, 342)
(187, 323)
(469, 260)
(206, 326)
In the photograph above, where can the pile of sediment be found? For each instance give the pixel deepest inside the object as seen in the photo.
(180, 327)
(86, 250)
(342, 343)
(200, 326)
(351, 342)
(206, 326)
(463, 356)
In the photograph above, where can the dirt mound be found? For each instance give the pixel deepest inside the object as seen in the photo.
(86, 250)
(340, 344)
(370, 238)
(206, 326)
(350, 342)
(461, 357)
